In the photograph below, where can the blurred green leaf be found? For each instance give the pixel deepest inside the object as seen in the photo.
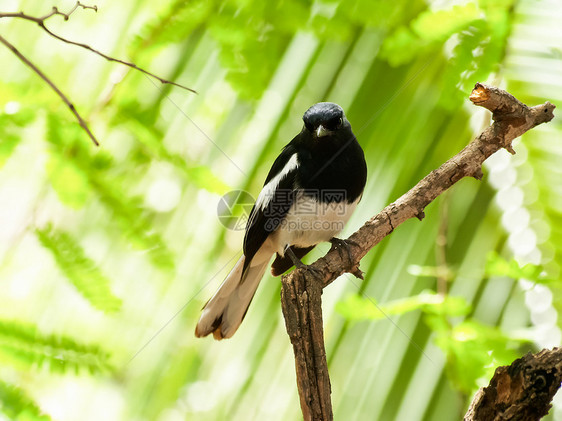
(498, 266)
(79, 269)
(482, 34)
(355, 307)
(468, 64)
(77, 157)
(375, 13)
(24, 346)
(15, 404)
(10, 135)
(402, 46)
(443, 272)
(69, 181)
(132, 219)
(66, 140)
(430, 28)
(8, 143)
(152, 148)
(473, 350)
(173, 25)
(21, 117)
(251, 41)
(438, 25)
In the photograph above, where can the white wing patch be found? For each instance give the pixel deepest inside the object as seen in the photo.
(268, 190)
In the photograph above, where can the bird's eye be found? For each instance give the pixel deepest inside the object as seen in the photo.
(334, 123)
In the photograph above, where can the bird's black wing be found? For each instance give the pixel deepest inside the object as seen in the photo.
(281, 161)
(266, 218)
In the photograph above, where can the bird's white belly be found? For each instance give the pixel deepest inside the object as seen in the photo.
(310, 222)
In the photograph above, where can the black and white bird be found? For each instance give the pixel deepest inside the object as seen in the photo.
(309, 194)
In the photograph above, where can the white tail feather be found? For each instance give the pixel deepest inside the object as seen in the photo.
(224, 312)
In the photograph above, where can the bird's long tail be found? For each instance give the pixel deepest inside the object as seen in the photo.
(224, 312)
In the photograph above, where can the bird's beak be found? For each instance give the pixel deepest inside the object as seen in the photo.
(321, 131)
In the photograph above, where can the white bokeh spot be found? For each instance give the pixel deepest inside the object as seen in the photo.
(163, 194)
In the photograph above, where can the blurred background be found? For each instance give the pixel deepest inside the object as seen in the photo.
(108, 253)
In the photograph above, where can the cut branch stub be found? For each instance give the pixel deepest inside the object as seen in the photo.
(512, 118)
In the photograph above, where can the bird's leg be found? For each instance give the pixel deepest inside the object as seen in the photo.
(339, 244)
(300, 265)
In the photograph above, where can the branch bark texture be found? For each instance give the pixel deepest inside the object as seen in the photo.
(522, 391)
(301, 289)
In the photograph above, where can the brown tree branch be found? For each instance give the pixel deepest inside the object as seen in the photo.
(55, 88)
(301, 302)
(301, 289)
(522, 391)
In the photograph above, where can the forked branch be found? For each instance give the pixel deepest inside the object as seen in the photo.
(41, 22)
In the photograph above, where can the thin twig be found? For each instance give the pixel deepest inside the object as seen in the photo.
(109, 58)
(55, 88)
(54, 11)
(41, 22)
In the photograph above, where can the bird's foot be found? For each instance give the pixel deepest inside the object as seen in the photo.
(317, 273)
(343, 245)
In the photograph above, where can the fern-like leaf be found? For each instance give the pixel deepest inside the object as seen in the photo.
(9, 133)
(23, 345)
(16, 405)
(79, 269)
(91, 170)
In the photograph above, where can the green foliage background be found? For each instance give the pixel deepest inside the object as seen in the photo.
(107, 254)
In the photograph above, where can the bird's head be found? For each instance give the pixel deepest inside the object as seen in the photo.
(324, 118)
